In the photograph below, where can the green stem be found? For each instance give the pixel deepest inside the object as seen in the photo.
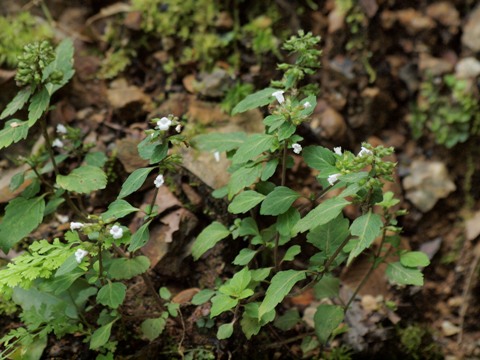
(100, 265)
(282, 182)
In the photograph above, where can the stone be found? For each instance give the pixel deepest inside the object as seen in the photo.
(434, 66)
(445, 13)
(471, 31)
(414, 21)
(329, 125)
(214, 84)
(467, 68)
(449, 329)
(427, 183)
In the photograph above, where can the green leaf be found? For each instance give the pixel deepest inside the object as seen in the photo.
(225, 331)
(252, 147)
(96, 158)
(153, 328)
(245, 201)
(244, 257)
(329, 236)
(164, 293)
(280, 286)
(219, 141)
(118, 209)
(402, 275)
(247, 227)
(127, 268)
(322, 214)
(243, 177)
(222, 303)
(252, 101)
(237, 284)
(159, 153)
(321, 159)
(292, 252)
(326, 319)
(112, 294)
(278, 201)
(288, 320)
(17, 102)
(134, 181)
(202, 296)
(367, 227)
(38, 105)
(414, 259)
(327, 287)
(207, 239)
(63, 62)
(14, 131)
(286, 221)
(100, 336)
(251, 324)
(83, 180)
(286, 130)
(20, 211)
(140, 238)
(269, 169)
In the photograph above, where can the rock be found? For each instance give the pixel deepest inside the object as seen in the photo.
(434, 66)
(431, 247)
(449, 329)
(329, 125)
(213, 84)
(472, 227)
(336, 20)
(128, 154)
(471, 31)
(414, 21)
(370, 7)
(467, 68)
(120, 95)
(343, 67)
(427, 183)
(445, 13)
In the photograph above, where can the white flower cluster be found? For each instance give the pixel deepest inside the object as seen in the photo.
(80, 254)
(279, 96)
(332, 179)
(297, 148)
(61, 129)
(164, 123)
(159, 181)
(76, 225)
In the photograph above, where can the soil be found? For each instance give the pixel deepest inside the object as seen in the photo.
(367, 93)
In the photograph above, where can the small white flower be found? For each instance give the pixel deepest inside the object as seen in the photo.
(57, 143)
(307, 105)
(178, 128)
(62, 218)
(279, 96)
(61, 129)
(116, 232)
(332, 179)
(159, 181)
(297, 148)
(76, 225)
(338, 150)
(80, 254)
(216, 155)
(364, 151)
(164, 123)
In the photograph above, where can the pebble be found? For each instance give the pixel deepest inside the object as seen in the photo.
(449, 329)
(467, 68)
(471, 31)
(445, 13)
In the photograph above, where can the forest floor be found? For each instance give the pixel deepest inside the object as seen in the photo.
(375, 64)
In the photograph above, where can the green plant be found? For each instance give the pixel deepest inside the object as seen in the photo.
(17, 31)
(271, 237)
(447, 109)
(417, 343)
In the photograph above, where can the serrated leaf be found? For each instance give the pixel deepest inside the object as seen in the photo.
(269, 169)
(159, 153)
(17, 102)
(322, 214)
(366, 227)
(288, 320)
(101, 336)
(402, 275)
(414, 259)
(112, 294)
(237, 284)
(244, 257)
(219, 141)
(245, 201)
(63, 62)
(278, 201)
(326, 319)
(96, 158)
(252, 101)
(247, 227)
(16, 181)
(280, 286)
(321, 159)
(202, 296)
(252, 147)
(207, 239)
(127, 268)
(38, 105)
(14, 131)
(153, 328)
(286, 221)
(134, 181)
(28, 211)
(327, 286)
(140, 238)
(292, 252)
(243, 177)
(118, 209)
(329, 236)
(251, 324)
(83, 180)
(286, 130)
(221, 303)
(225, 331)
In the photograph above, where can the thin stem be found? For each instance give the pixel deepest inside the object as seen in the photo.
(288, 341)
(282, 182)
(100, 264)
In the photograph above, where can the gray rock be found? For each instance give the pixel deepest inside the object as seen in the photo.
(471, 31)
(467, 68)
(427, 183)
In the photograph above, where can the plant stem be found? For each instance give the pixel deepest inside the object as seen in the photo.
(100, 264)
(282, 182)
